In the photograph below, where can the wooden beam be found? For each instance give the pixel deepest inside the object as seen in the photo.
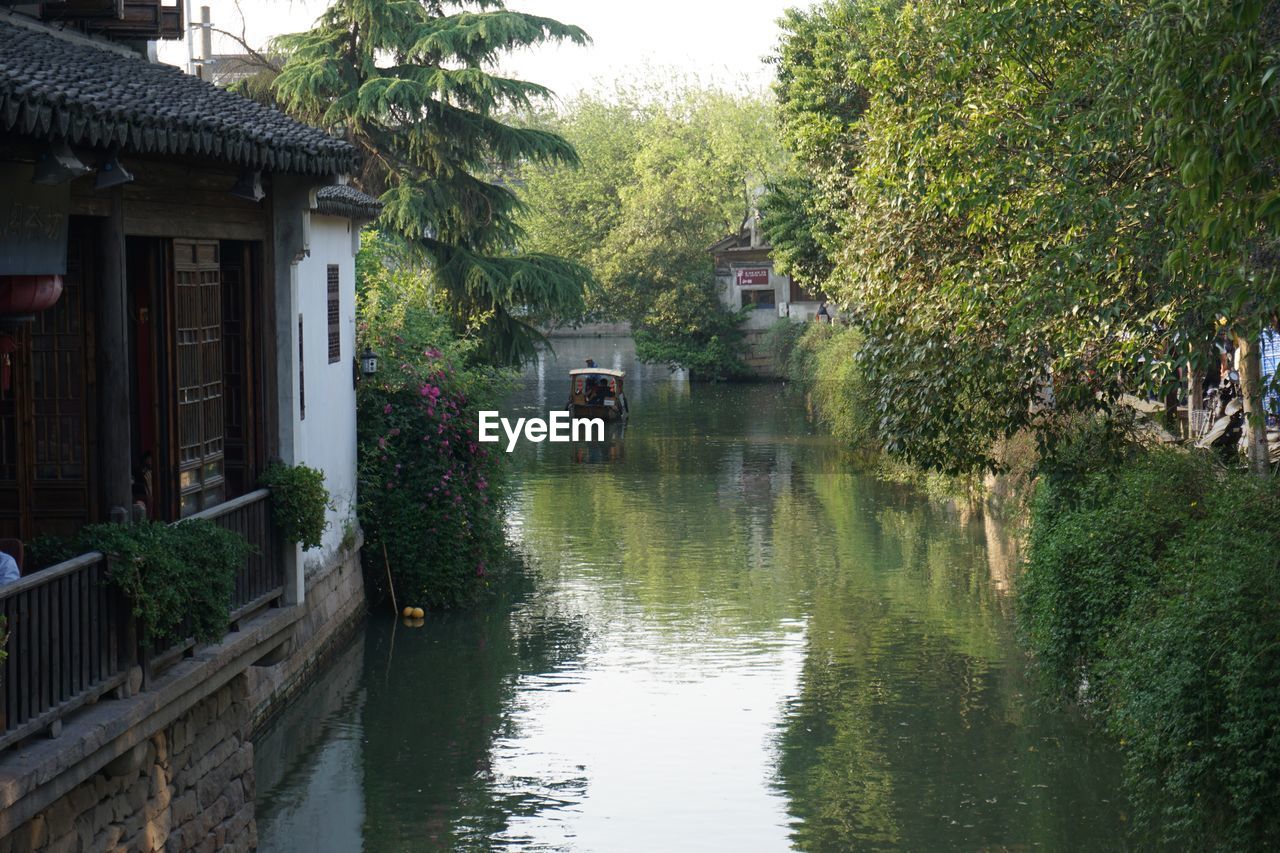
(114, 410)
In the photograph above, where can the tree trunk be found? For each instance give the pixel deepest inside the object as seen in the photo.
(1195, 397)
(1195, 387)
(1255, 421)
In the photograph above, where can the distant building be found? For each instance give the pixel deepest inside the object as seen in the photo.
(746, 278)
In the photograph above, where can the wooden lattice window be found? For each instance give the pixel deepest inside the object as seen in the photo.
(302, 376)
(335, 328)
(198, 356)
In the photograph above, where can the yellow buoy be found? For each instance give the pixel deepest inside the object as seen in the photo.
(418, 613)
(407, 613)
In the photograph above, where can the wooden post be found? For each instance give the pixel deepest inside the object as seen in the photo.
(1255, 421)
(112, 334)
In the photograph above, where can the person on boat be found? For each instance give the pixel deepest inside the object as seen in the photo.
(591, 362)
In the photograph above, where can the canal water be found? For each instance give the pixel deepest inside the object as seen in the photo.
(727, 639)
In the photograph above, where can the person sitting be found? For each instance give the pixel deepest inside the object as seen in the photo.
(8, 569)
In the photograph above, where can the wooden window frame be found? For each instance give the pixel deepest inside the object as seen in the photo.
(302, 374)
(333, 301)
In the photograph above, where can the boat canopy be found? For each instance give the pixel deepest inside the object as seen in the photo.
(597, 371)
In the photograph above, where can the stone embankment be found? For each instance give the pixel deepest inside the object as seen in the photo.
(187, 787)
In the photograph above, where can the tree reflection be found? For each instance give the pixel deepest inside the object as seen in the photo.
(438, 697)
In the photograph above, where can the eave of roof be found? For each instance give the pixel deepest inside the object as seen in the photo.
(57, 85)
(347, 202)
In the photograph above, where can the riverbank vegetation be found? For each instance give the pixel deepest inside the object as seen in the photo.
(1029, 211)
(665, 171)
(985, 189)
(430, 494)
(1152, 593)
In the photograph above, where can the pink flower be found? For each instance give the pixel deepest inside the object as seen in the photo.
(395, 431)
(480, 571)
(382, 444)
(386, 410)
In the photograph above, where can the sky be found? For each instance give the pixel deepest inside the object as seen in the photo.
(717, 41)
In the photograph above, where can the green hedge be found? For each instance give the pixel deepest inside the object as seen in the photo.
(1153, 590)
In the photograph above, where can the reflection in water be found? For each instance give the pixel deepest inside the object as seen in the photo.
(728, 640)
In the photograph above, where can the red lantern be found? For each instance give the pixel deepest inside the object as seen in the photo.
(24, 295)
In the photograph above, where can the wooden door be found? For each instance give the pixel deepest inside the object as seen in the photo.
(199, 370)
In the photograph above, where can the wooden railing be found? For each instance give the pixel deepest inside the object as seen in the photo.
(70, 641)
(72, 636)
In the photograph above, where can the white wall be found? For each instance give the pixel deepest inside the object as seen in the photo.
(759, 318)
(327, 431)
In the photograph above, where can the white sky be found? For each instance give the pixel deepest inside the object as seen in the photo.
(720, 41)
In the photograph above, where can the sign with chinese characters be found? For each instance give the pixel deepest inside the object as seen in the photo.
(33, 223)
(752, 275)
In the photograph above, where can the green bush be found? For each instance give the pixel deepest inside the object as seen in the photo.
(781, 340)
(178, 577)
(1194, 677)
(299, 501)
(1093, 549)
(823, 359)
(687, 327)
(430, 496)
(1156, 581)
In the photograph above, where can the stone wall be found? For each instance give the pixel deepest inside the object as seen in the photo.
(188, 787)
(333, 609)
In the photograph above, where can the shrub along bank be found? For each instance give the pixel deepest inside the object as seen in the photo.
(823, 361)
(430, 494)
(1152, 592)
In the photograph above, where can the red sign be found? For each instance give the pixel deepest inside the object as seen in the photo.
(753, 275)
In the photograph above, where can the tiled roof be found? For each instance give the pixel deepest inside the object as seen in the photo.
(347, 201)
(56, 85)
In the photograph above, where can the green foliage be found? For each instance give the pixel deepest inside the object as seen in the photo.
(1196, 678)
(665, 172)
(299, 501)
(823, 359)
(430, 495)
(408, 83)
(178, 577)
(687, 327)
(1155, 580)
(1001, 205)
(780, 342)
(1095, 545)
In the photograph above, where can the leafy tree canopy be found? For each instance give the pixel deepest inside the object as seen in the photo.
(410, 83)
(988, 186)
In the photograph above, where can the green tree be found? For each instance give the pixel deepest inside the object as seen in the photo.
(409, 82)
(1212, 74)
(1004, 210)
(665, 173)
